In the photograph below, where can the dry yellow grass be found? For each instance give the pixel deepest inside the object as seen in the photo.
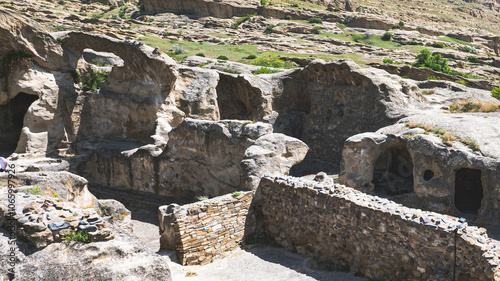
(473, 106)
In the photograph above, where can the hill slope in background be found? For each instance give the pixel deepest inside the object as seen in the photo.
(450, 14)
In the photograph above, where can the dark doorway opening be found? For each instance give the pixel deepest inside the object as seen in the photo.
(468, 190)
(237, 99)
(393, 173)
(11, 122)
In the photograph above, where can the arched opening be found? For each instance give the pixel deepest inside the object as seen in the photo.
(11, 122)
(102, 58)
(237, 99)
(393, 173)
(468, 190)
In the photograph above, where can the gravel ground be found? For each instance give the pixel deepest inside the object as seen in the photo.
(254, 263)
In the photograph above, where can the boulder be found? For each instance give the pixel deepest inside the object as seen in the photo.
(272, 154)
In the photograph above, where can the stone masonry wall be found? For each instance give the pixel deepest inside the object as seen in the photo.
(205, 229)
(374, 236)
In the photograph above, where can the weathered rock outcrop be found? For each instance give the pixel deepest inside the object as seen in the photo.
(272, 154)
(202, 158)
(68, 186)
(245, 97)
(429, 164)
(124, 257)
(219, 9)
(325, 103)
(372, 22)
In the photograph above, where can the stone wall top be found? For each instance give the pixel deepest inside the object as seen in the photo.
(378, 237)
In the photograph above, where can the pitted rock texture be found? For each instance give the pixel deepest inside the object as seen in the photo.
(124, 257)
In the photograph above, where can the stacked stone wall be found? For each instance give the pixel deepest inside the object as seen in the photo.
(205, 229)
(374, 236)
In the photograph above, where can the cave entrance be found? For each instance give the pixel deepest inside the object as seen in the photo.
(393, 173)
(11, 122)
(468, 190)
(237, 99)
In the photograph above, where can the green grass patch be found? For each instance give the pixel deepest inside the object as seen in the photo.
(265, 70)
(35, 191)
(80, 236)
(453, 40)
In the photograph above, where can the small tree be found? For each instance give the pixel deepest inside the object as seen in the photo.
(434, 62)
(316, 30)
(387, 36)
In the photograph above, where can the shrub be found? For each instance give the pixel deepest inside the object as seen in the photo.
(13, 59)
(59, 28)
(400, 25)
(200, 54)
(250, 57)
(269, 29)
(236, 194)
(434, 62)
(62, 2)
(432, 78)
(357, 37)
(316, 30)
(221, 57)
(438, 45)
(473, 59)
(387, 36)
(496, 93)
(94, 80)
(263, 2)
(228, 70)
(388, 61)
(426, 92)
(269, 61)
(35, 191)
(202, 198)
(80, 236)
(346, 20)
(315, 20)
(242, 20)
(97, 16)
(121, 13)
(265, 70)
(470, 49)
(288, 17)
(470, 143)
(295, 5)
(55, 195)
(177, 49)
(461, 81)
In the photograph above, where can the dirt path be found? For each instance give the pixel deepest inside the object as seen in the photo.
(258, 263)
